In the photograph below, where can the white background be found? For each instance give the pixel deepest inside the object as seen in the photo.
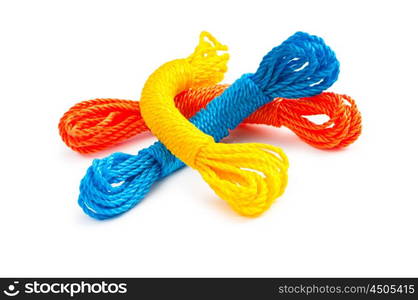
(345, 213)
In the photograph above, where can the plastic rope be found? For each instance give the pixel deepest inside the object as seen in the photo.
(94, 125)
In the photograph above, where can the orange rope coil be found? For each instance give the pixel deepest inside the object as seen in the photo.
(94, 125)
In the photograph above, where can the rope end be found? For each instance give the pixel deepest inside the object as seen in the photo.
(208, 64)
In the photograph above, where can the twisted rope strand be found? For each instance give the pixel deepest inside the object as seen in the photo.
(94, 125)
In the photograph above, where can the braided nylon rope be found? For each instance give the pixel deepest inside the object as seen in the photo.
(302, 66)
(93, 125)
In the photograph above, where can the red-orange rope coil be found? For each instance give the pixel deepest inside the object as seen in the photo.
(94, 125)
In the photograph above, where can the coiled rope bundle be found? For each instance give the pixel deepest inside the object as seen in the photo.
(93, 125)
(302, 66)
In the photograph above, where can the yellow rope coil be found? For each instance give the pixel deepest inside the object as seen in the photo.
(248, 176)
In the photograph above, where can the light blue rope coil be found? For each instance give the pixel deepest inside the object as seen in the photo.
(302, 66)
